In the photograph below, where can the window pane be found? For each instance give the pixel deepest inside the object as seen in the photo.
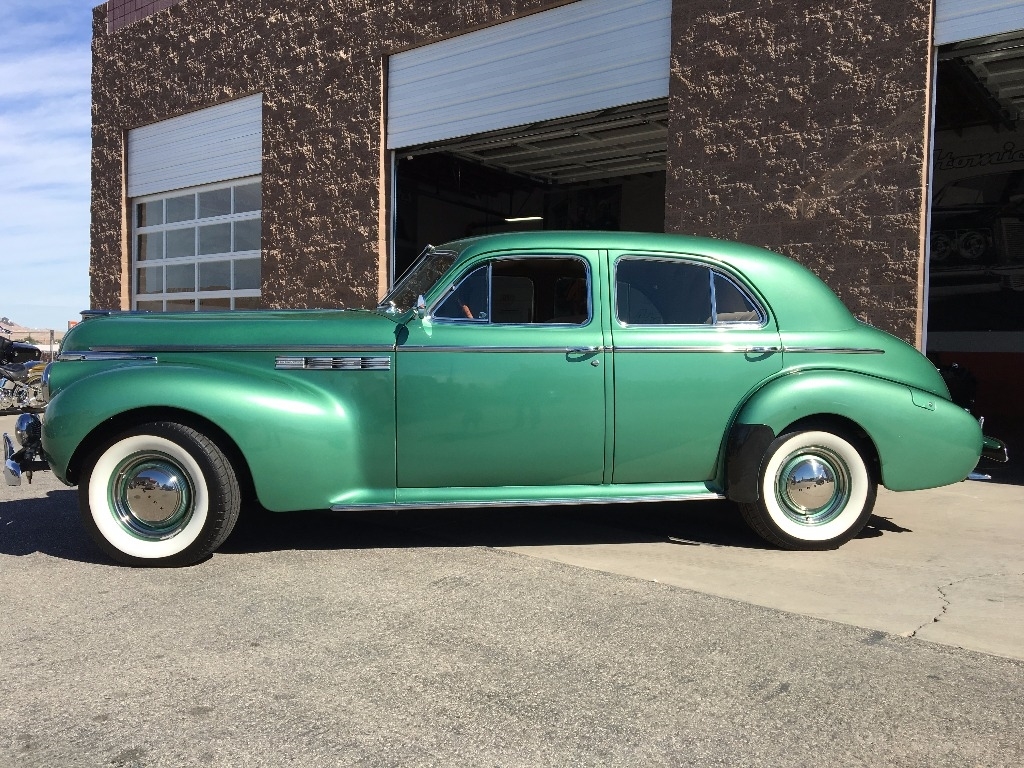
(469, 299)
(172, 253)
(151, 246)
(151, 280)
(662, 293)
(247, 197)
(181, 208)
(214, 305)
(511, 299)
(216, 202)
(181, 277)
(215, 238)
(572, 301)
(247, 274)
(731, 304)
(215, 276)
(181, 242)
(148, 214)
(247, 235)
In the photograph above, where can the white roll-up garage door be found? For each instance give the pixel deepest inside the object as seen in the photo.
(581, 57)
(209, 145)
(958, 20)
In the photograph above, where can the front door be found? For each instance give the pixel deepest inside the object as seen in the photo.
(503, 383)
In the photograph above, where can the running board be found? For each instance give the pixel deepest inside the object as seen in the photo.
(456, 498)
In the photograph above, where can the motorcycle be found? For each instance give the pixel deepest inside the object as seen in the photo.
(20, 374)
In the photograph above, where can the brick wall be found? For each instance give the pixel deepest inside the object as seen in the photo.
(122, 12)
(801, 127)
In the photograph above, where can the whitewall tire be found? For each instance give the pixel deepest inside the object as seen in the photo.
(159, 494)
(816, 491)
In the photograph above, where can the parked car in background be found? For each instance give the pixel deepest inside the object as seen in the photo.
(536, 368)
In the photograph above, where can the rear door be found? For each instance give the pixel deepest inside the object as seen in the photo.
(690, 342)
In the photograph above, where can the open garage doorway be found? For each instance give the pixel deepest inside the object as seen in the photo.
(601, 170)
(976, 243)
(552, 120)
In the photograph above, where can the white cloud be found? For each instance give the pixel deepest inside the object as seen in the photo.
(44, 161)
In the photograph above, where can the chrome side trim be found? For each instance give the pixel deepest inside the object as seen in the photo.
(709, 496)
(102, 356)
(354, 348)
(835, 350)
(708, 348)
(559, 350)
(333, 363)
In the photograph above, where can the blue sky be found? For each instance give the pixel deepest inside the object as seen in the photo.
(44, 160)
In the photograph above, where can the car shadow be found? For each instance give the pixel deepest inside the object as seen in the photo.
(50, 525)
(698, 524)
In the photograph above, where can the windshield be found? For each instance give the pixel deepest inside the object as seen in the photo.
(418, 280)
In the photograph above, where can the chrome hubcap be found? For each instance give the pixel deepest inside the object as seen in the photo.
(151, 497)
(813, 486)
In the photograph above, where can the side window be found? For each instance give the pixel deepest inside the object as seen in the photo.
(664, 292)
(469, 299)
(653, 292)
(550, 290)
(731, 304)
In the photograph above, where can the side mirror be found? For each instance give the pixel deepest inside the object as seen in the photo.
(421, 307)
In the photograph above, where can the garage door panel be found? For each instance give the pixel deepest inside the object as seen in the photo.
(486, 114)
(209, 145)
(582, 57)
(959, 20)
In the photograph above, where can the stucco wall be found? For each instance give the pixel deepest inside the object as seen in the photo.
(802, 127)
(798, 126)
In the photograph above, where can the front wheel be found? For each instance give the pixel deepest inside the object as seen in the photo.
(159, 494)
(816, 492)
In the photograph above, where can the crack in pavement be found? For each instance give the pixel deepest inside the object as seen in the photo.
(941, 589)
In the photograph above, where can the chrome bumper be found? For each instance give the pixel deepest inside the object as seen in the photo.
(12, 469)
(26, 460)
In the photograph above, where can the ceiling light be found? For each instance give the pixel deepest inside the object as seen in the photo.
(524, 218)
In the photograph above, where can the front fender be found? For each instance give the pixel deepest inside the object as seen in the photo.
(310, 438)
(922, 440)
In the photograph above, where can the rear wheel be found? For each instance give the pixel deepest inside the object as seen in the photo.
(159, 494)
(816, 491)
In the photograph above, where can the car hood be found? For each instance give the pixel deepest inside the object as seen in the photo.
(222, 331)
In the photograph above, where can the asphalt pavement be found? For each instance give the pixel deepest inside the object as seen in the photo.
(616, 636)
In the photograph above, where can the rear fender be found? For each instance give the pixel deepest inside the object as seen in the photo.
(920, 439)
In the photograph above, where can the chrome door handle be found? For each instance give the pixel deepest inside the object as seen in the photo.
(762, 350)
(581, 350)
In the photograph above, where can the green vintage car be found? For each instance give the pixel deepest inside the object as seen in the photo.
(528, 369)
